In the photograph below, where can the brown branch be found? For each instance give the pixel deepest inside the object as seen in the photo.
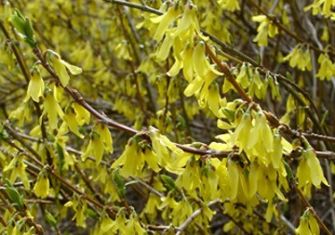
(2, 221)
(320, 137)
(137, 6)
(225, 70)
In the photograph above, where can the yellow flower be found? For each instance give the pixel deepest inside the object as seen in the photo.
(60, 67)
(277, 153)
(165, 47)
(299, 58)
(201, 64)
(36, 86)
(130, 162)
(134, 226)
(309, 170)
(164, 21)
(229, 5)
(52, 110)
(169, 155)
(105, 136)
(252, 180)
(327, 68)
(233, 179)
(321, 6)
(82, 115)
(94, 148)
(41, 188)
(190, 179)
(80, 214)
(241, 135)
(262, 135)
(151, 159)
(243, 77)
(188, 23)
(213, 99)
(18, 170)
(308, 225)
(72, 123)
(188, 67)
(265, 29)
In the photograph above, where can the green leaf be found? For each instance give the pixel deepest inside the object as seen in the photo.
(168, 182)
(23, 27)
(14, 196)
(60, 153)
(50, 219)
(119, 183)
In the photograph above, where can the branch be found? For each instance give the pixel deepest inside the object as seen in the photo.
(137, 6)
(225, 70)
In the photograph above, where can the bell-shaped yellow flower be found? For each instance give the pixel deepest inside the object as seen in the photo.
(241, 135)
(41, 188)
(309, 170)
(327, 68)
(52, 110)
(229, 5)
(188, 23)
(82, 115)
(265, 29)
(60, 70)
(234, 178)
(299, 58)
(131, 161)
(165, 47)
(60, 67)
(36, 86)
(105, 136)
(72, 123)
(164, 21)
(308, 225)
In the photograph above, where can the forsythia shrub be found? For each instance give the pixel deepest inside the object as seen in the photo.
(167, 116)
